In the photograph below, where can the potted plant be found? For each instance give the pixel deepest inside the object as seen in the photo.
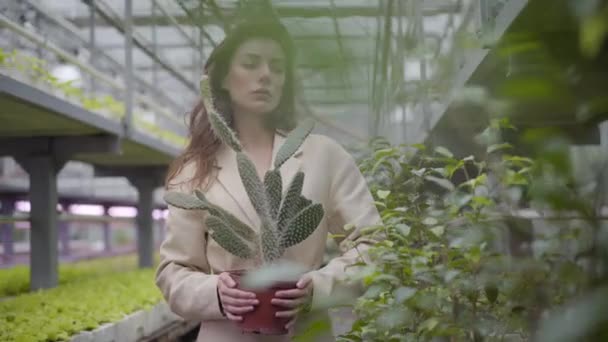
(285, 220)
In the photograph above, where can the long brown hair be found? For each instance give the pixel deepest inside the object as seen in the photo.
(203, 144)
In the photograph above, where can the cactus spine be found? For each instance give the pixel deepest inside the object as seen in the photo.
(285, 222)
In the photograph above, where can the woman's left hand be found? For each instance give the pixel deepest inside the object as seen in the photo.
(294, 300)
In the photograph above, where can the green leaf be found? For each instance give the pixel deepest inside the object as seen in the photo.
(438, 230)
(430, 221)
(497, 147)
(444, 183)
(404, 293)
(444, 151)
(383, 194)
(593, 30)
(403, 229)
(428, 325)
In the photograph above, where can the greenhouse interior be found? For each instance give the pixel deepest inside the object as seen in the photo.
(467, 138)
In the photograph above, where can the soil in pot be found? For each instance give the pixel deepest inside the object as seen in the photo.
(262, 319)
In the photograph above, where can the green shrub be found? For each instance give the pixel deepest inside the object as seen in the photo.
(461, 263)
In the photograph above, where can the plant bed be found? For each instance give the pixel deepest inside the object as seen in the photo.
(133, 327)
(59, 313)
(15, 280)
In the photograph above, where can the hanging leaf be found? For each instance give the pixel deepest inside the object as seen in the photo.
(498, 147)
(442, 182)
(444, 151)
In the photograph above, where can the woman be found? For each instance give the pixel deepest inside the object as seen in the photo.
(252, 78)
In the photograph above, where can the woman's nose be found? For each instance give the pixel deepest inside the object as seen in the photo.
(265, 72)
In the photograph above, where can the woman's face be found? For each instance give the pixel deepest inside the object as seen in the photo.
(256, 76)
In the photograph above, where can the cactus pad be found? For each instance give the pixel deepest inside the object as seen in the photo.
(218, 124)
(183, 201)
(238, 226)
(223, 235)
(294, 140)
(303, 225)
(253, 186)
(290, 207)
(274, 188)
(271, 245)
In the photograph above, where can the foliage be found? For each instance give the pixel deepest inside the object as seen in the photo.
(15, 280)
(286, 221)
(58, 313)
(465, 261)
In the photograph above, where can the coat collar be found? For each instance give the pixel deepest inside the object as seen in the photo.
(229, 179)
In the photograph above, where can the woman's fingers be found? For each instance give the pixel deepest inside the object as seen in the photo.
(238, 310)
(234, 318)
(287, 314)
(289, 303)
(227, 279)
(293, 293)
(239, 302)
(235, 293)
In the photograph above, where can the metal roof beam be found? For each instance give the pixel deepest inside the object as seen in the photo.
(283, 11)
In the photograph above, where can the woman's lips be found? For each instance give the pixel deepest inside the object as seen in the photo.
(264, 94)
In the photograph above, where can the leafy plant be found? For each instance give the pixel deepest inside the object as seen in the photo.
(286, 220)
(463, 259)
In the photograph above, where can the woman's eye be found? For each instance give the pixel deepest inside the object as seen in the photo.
(277, 69)
(250, 65)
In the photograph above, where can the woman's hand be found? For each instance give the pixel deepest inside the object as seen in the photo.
(294, 300)
(234, 301)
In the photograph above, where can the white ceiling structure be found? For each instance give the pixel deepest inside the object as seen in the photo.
(362, 65)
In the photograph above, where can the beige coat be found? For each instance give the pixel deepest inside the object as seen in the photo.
(190, 263)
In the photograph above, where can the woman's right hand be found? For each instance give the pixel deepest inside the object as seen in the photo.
(235, 302)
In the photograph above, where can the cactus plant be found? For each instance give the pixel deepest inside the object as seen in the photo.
(285, 220)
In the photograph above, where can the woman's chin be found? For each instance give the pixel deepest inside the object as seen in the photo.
(261, 109)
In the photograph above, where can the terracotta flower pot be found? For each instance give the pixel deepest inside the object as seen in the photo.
(262, 319)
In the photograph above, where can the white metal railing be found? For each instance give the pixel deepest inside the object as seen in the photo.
(92, 71)
(73, 30)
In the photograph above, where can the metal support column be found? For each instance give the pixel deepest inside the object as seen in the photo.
(128, 120)
(154, 45)
(92, 48)
(145, 222)
(7, 208)
(43, 170)
(426, 114)
(64, 237)
(145, 179)
(42, 158)
(107, 231)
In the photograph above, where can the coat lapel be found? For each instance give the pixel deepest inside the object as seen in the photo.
(229, 178)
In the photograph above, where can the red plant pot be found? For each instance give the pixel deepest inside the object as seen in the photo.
(263, 320)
